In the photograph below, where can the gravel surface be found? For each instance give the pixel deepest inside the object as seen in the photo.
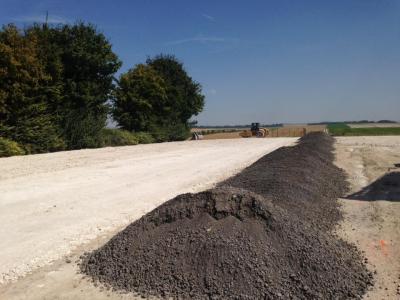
(52, 204)
(302, 179)
(229, 242)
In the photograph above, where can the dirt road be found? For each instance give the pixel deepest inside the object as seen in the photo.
(372, 210)
(51, 204)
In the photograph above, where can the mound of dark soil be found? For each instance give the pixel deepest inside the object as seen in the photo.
(227, 243)
(301, 179)
(263, 234)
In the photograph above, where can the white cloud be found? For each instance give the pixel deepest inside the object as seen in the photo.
(212, 92)
(200, 39)
(42, 19)
(208, 17)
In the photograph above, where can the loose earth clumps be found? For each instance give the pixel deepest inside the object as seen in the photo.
(301, 179)
(230, 242)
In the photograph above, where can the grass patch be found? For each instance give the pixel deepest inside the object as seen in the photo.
(10, 148)
(109, 137)
(373, 131)
(338, 129)
(118, 137)
(144, 137)
(342, 129)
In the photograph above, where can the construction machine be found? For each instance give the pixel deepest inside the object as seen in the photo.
(255, 130)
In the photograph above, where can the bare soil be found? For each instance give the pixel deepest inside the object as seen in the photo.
(372, 207)
(372, 225)
(222, 135)
(54, 203)
(309, 128)
(229, 243)
(302, 180)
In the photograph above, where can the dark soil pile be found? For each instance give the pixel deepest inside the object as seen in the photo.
(231, 243)
(301, 179)
(227, 243)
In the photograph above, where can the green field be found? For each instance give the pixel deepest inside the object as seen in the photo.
(342, 129)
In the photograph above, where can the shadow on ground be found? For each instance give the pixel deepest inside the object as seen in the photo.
(386, 187)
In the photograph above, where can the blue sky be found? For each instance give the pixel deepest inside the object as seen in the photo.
(265, 61)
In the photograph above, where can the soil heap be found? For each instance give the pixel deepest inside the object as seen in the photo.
(231, 243)
(301, 179)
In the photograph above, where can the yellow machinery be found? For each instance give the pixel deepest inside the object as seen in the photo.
(255, 131)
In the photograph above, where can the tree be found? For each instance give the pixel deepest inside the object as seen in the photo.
(140, 100)
(81, 65)
(24, 114)
(184, 94)
(158, 97)
(54, 85)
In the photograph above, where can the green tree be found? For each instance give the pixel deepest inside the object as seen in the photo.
(54, 86)
(158, 97)
(24, 114)
(184, 94)
(140, 100)
(81, 64)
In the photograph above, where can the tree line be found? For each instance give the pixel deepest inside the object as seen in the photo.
(58, 85)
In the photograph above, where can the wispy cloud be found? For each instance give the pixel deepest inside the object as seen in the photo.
(211, 92)
(52, 19)
(201, 39)
(208, 17)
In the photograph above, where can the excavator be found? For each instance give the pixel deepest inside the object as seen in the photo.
(256, 131)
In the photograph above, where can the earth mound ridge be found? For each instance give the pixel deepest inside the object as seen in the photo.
(239, 240)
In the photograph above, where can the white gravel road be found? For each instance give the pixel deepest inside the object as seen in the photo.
(50, 204)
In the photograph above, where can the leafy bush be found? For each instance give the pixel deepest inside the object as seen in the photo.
(118, 137)
(159, 134)
(213, 131)
(171, 132)
(178, 132)
(83, 129)
(9, 148)
(144, 137)
(36, 132)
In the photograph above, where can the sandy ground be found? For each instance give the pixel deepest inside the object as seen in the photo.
(369, 125)
(197, 129)
(373, 225)
(309, 128)
(90, 183)
(55, 206)
(222, 135)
